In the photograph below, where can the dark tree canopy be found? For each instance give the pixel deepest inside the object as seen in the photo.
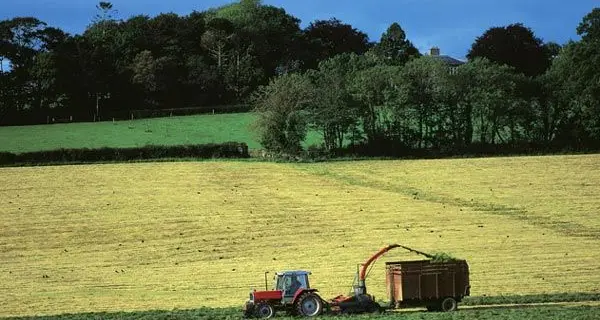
(327, 38)
(514, 45)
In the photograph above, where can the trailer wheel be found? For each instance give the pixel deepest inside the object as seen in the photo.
(265, 310)
(448, 304)
(309, 305)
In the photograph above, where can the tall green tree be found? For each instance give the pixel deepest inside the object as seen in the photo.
(217, 40)
(514, 45)
(281, 106)
(105, 11)
(21, 38)
(193, 27)
(242, 13)
(419, 101)
(589, 27)
(273, 33)
(325, 39)
(28, 45)
(276, 40)
(243, 73)
(370, 89)
(332, 112)
(394, 48)
(558, 115)
(585, 75)
(106, 68)
(7, 95)
(571, 113)
(166, 34)
(492, 96)
(236, 60)
(43, 75)
(202, 81)
(144, 75)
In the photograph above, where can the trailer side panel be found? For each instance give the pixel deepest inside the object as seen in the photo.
(422, 282)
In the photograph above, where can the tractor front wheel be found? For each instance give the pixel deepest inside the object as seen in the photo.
(265, 310)
(309, 305)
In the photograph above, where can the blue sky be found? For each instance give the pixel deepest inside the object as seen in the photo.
(452, 25)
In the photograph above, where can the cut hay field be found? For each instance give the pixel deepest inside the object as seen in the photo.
(148, 236)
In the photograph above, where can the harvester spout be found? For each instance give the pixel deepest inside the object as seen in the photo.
(365, 266)
(361, 287)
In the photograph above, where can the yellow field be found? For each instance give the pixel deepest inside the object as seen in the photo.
(183, 235)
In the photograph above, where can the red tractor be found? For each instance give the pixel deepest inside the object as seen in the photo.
(292, 294)
(436, 284)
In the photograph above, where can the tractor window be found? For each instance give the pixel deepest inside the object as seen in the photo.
(280, 283)
(303, 281)
(291, 282)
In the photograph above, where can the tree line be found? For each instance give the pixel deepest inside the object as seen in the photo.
(515, 94)
(214, 57)
(328, 77)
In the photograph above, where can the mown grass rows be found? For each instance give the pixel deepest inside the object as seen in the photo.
(183, 235)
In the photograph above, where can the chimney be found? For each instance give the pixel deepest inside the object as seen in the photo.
(435, 51)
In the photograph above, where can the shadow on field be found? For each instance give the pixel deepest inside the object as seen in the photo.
(471, 308)
(499, 307)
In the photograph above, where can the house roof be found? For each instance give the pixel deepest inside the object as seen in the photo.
(449, 60)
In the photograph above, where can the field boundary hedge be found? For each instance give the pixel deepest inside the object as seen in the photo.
(86, 155)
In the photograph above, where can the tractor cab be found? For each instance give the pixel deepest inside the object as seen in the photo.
(289, 282)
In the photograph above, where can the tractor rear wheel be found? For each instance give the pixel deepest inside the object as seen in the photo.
(309, 305)
(265, 310)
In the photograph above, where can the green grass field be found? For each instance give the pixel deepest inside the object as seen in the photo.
(570, 312)
(164, 236)
(157, 131)
(198, 129)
